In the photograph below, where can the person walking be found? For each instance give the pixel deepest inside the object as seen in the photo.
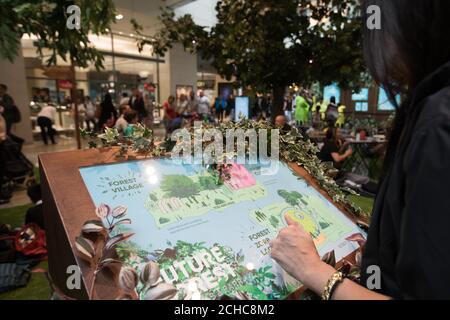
(108, 113)
(204, 107)
(45, 119)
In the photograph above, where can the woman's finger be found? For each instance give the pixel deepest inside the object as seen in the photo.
(271, 243)
(289, 220)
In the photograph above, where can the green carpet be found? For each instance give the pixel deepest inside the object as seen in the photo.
(37, 288)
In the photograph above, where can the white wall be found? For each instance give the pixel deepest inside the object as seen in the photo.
(180, 69)
(203, 12)
(13, 75)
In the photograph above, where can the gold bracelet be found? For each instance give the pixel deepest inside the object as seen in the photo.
(332, 283)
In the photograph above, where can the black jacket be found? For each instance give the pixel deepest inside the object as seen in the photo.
(409, 237)
(137, 104)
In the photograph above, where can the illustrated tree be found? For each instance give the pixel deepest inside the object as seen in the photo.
(293, 198)
(208, 183)
(179, 186)
(270, 44)
(47, 21)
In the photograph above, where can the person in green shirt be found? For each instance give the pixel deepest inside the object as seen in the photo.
(132, 118)
(341, 118)
(301, 110)
(323, 109)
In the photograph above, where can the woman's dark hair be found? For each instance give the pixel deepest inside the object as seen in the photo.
(130, 115)
(333, 99)
(107, 100)
(34, 193)
(412, 43)
(331, 134)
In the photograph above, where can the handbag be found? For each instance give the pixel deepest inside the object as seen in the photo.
(31, 241)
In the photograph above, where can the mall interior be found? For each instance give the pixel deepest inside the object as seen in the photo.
(79, 142)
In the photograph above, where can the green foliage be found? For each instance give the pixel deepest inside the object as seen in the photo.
(208, 183)
(47, 21)
(141, 142)
(153, 197)
(179, 186)
(218, 202)
(270, 44)
(163, 220)
(294, 148)
(293, 198)
(274, 221)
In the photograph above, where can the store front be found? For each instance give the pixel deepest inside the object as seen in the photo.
(125, 68)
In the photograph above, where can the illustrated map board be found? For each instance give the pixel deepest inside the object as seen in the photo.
(212, 240)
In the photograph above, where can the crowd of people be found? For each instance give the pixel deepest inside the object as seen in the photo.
(187, 109)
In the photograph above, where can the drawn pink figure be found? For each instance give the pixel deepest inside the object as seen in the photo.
(240, 178)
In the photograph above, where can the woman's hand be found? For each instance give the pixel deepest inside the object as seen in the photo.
(295, 251)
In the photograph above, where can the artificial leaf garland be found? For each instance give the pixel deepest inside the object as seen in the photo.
(293, 147)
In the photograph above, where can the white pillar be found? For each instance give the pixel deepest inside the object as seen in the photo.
(180, 68)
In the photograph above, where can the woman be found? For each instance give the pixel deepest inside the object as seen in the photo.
(333, 149)
(170, 114)
(108, 113)
(132, 118)
(408, 238)
(90, 114)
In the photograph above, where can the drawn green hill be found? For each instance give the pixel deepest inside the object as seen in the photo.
(323, 223)
(180, 197)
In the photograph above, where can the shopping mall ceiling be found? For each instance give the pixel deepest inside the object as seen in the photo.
(146, 13)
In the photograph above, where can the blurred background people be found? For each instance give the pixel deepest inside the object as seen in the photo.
(45, 119)
(281, 122)
(121, 123)
(182, 105)
(108, 113)
(220, 106)
(170, 114)
(90, 115)
(11, 113)
(125, 99)
(231, 106)
(332, 113)
(334, 150)
(204, 106)
(137, 103)
(132, 118)
(301, 111)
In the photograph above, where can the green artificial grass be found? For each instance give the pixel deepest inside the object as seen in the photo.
(364, 203)
(37, 288)
(37, 175)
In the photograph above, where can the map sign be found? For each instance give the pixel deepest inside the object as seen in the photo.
(213, 239)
